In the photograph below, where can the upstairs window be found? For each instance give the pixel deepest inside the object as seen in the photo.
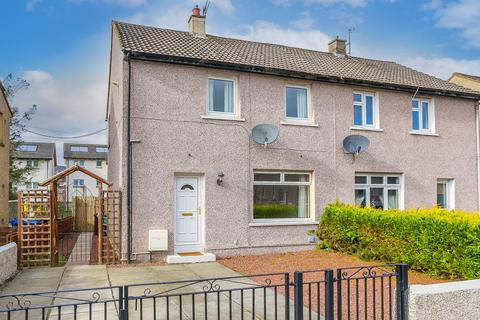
(221, 97)
(296, 103)
(365, 113)
(32, 163)
(79, 149)
(27, 147)
(423, 118)
(78, 183)
(80, 163)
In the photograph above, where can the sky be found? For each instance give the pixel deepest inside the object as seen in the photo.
(61, 47)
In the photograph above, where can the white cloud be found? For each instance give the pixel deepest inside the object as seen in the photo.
(304, 22)
(443, 67)
(225, 6)
(282, 3)
(30, 5)
(461, 15)
(263, 31)
(351, 3)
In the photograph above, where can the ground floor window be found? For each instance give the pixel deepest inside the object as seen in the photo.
(31, 185)
(445, 194)
(281, 195)
(380, 191)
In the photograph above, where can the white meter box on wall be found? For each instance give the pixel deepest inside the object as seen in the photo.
(158, 240)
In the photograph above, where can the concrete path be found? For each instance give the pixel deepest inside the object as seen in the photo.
(154, 304)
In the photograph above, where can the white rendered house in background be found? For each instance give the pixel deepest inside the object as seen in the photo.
(41, 157)
(92, 157)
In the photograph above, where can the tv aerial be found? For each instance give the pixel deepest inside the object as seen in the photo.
(206, 5)
(355, 144)
(264, 134)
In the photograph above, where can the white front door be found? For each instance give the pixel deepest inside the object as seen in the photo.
(188, 221)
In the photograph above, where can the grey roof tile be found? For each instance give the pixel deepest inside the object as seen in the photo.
(45, 151)
(214, 49)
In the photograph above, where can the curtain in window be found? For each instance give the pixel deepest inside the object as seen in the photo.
(302, 200)
(302, 111)
(228, 90)
(210, 94)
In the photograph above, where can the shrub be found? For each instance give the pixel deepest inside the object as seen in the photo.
(271, 211)
(435, 241)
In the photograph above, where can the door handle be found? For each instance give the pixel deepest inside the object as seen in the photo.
(187, 214)
(199, 210)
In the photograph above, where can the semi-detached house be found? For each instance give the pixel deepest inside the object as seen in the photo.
(181, 108)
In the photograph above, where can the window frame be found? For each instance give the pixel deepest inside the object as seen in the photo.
(98, 166)
(78, 185)
(363, 104)
(80, 149)
(223, 115)
(431, 130)
(282, 182)
(450, 192)
(400, 187)
(296, 120)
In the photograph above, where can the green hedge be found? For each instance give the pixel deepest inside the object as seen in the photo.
(434, 241)
(272, 211)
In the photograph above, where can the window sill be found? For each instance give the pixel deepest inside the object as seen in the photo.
(424, 133)
(223, 118)
(283, 223)
(366, 129)
(301, 124)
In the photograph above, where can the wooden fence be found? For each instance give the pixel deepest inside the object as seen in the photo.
(84, 209)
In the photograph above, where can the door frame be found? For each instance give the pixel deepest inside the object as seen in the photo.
(201, 201)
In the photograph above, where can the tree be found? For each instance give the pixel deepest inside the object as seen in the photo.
(18, 121)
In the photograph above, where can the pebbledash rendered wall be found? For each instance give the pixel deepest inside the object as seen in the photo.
(167, 105)
(445, 301)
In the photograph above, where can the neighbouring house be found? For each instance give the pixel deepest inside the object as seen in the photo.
(181, 109)
(61, 185)
(5, 115)
(465, 80)
(41, 157)
(92, 157)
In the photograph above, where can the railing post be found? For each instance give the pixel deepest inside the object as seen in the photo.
(298, 294)
(329, 295)
(401, 290)
(287, 296)
(339, 294)
(123, 310)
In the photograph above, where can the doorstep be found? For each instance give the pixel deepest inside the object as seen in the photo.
(201, 257)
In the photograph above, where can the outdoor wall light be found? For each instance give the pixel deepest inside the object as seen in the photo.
(220, 176)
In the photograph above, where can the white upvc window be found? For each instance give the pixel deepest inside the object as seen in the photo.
(380, 191)
(221, 99)
(33, 163)
(79, 148)
(31, 185)
(80, 163)
(366, 110)
(280, 196)
(297, 104)
(446, 193)
(423, 116)
(99, 163)
(78, 183)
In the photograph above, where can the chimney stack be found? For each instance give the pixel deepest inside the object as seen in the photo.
(338, 47)
(196, 23)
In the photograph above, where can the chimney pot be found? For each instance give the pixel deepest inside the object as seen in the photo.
(196, 11)
(196, 23)
(338, 47)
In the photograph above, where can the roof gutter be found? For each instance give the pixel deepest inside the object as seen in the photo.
(295, 74)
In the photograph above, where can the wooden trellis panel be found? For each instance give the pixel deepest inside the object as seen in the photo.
(35, 228)
(110, 203)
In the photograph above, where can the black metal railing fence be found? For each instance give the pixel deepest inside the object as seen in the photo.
(361, 293)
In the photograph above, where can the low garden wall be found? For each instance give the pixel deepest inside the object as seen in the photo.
(445, 301)
(434, 241)
(8, 261)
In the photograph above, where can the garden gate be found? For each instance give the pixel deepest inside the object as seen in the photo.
(89, 234)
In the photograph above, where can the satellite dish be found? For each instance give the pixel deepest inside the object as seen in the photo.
(264, 133)
(355, 144)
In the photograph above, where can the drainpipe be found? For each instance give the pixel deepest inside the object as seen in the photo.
(129, 165)
(477, 133)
